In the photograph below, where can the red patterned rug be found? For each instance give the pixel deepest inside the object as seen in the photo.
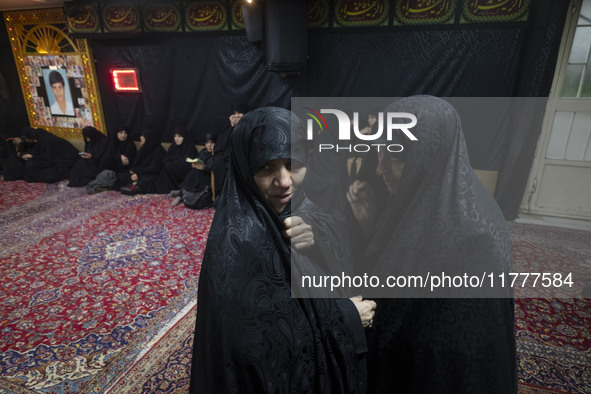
(553, 334)
(90, 283)
(99, 295)
(18, 193)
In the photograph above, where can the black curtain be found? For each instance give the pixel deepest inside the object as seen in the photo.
(13, 113)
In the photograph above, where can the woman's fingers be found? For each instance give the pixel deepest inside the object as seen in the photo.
(299, 232)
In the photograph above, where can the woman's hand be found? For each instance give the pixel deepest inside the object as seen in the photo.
(27, 156)
(198, 165)
(124, 160)
(366, 309)
(134, 177)
(86, 155)
(362, 199)
(299, 232)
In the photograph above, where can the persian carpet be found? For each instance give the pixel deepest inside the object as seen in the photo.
(553, 334)
(90, 283)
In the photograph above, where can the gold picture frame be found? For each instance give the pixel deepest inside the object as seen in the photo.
(41, 45)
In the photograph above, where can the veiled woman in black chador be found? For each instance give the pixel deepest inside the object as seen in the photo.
(51, 160)
(145, 168)
(89, 164)
(439, 218)
(121, 152)
(11, 157)
(175, 166)
(251, 336)
(195, 189)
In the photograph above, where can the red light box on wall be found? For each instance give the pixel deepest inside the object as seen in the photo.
(125, 80)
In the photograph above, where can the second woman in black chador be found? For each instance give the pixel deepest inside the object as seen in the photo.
(145, 168)
(89, 164)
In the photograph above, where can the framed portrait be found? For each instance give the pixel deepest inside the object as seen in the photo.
(56, 73)
(58, 91)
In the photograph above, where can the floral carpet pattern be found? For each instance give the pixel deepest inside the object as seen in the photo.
(553, 334)
(89, 282)
(99, 294)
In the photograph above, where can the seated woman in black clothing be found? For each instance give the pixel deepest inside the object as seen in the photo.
(51, 160)
(175, 162)
(251, 335)
(121, 152)
(11, 160)
(89, 164)
(145, 168)
(195, 190)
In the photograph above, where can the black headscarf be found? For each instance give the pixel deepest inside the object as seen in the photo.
(97, 144)
(442, 212)
(251, 336)
(205, 155)
(150, 155)
(178, 153)
(441, 219)
(85, 170)
(116, 148)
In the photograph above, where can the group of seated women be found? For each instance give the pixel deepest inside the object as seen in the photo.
(115, 163)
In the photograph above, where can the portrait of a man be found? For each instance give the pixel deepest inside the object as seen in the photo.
(58, 92)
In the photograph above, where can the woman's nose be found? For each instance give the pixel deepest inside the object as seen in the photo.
(381, 165)
(283, 177)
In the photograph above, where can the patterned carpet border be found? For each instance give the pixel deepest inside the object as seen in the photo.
(166, 367)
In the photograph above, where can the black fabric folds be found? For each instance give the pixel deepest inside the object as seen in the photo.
(175, 165)
(146, 165)
(196, 180)
(112, 159)
(441, 219)
(11, 161)
(85, 170)
(251, 336)
(53, 157)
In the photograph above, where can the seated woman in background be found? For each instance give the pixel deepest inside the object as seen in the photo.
(121, 152)
(11, 157)
(175, 162)
(89, 164)
(145, 168)
(52, 159)
(195, 190)
(251, 336)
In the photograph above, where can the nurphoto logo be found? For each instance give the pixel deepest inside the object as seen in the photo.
(395, 121)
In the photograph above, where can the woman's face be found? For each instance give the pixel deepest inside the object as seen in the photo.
(178, 139)
(371, 120)
(87, 139)
(122, 135)
(278, 180)
(390, 170)
(235, 118)
(209, 144)
(142, 140)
